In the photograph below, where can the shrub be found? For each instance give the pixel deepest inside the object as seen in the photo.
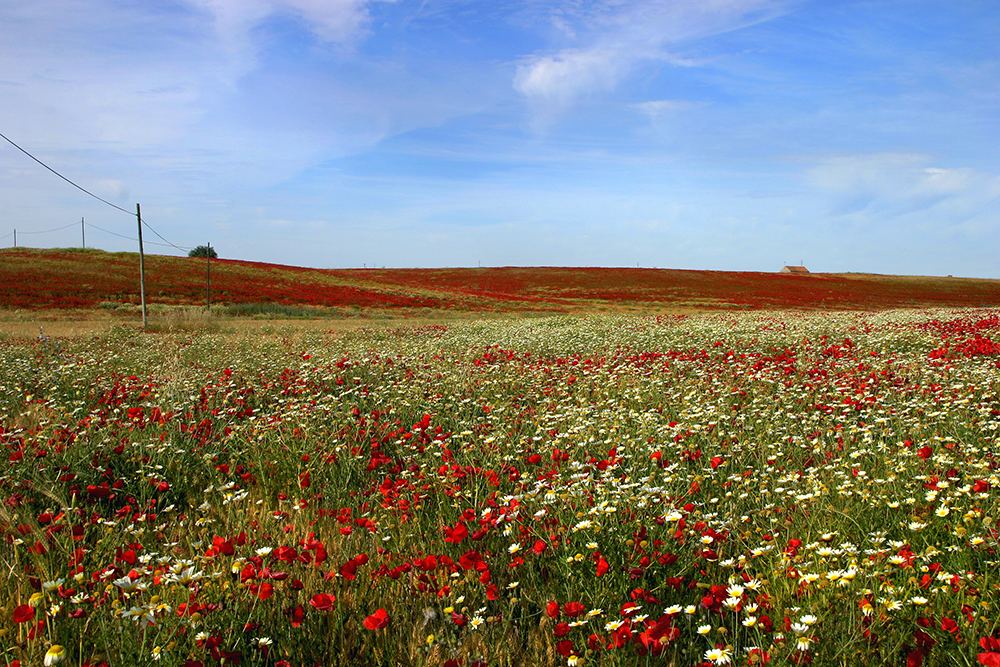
(204, 251)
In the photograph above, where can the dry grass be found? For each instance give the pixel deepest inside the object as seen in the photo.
(76, 323)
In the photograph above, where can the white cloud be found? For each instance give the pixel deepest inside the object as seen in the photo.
(181, 106)
(561, 78)
(334, 20)
(339, 22)
(891, 175)
(655, 109)
(137, 75)
(113, 189)
(619, 38)
(899, 184)
(186, 89)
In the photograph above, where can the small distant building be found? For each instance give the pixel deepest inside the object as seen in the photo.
(795, 269)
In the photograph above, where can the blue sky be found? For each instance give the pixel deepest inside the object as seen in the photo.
(718, 134)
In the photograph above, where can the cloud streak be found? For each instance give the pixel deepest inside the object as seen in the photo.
(616, 41)
(896, 184)
(337, 22)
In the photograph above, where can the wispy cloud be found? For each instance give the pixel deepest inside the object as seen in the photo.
(655, 109)
(198, 96)
(339, 22)
(613, 40)
(893, 184)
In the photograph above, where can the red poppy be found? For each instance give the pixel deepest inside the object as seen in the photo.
(455, 535)
(378, 620)
(323, 601)
(349, 570)
(285, 554)
(915, 658)
(658, 634)
(24, 613)
(265, 590)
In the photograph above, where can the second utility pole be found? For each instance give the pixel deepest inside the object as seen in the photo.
(142, 267)
(208, 279)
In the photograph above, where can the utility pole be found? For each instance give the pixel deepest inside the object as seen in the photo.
(83, 235)
(15, 237)
(208, 278)
(142, 267)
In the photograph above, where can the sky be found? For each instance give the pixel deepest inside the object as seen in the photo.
(851, 135)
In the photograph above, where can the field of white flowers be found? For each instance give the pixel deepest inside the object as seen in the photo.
(752, 488)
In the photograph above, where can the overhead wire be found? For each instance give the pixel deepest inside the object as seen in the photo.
(123, 236)
(150, 228)
(166, 243)
(108, 231)
(78, 187)
(54, 229)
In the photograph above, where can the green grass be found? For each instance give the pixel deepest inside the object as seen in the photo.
(273, 310)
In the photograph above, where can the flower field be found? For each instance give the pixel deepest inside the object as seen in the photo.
(35, 280)
(725, 488)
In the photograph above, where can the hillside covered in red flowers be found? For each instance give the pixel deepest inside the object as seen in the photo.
(47, 279)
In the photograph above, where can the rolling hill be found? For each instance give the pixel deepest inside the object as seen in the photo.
(52, 279)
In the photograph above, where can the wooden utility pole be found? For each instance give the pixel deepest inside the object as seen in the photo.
(142, 267)
(208, 278)
(83, 235)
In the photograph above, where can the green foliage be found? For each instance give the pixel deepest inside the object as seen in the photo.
(204, 251)
(270, 310)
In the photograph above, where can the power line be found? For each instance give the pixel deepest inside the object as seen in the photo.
(123, 236)
(78, 187)
(100, 229)
(166, 243)
(54, 229)
(108, 231)
(150, 228)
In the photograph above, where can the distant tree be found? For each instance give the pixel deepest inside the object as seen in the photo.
(204, 251)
